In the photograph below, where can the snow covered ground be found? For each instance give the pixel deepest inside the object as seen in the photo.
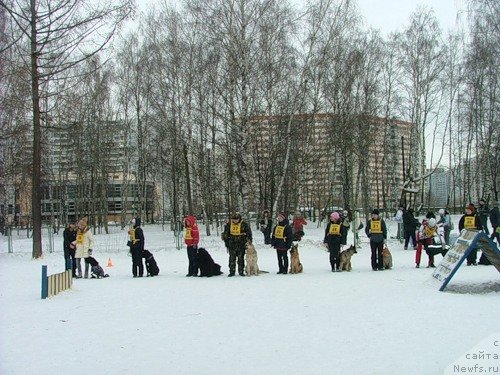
(318, 322)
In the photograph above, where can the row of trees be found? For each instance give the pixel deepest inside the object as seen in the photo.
(206, 99)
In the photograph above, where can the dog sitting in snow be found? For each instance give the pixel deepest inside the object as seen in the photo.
(206, 264)
(251, 268)
(295, 265)
(151, 265)
(345, 258)
(96, 271)
(387, 258)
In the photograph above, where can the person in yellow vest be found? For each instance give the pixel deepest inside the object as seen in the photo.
(83, 247)
(191, 239)
(334, 234)
(136, 243)
(472, 221)
(376, 231)
(281, 240)
(235, 236)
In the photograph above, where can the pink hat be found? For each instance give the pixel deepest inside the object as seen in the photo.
(335, 216)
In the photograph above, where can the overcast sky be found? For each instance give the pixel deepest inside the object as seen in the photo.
(387, 15)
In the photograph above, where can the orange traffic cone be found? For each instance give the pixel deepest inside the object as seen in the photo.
(110, 263)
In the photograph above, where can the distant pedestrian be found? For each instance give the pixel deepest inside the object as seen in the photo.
(298, 226)
(410, 225)
(398, 218)
(483, 213)
(266, 225)
(445, 222)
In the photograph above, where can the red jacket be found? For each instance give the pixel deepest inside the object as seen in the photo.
(192, 234)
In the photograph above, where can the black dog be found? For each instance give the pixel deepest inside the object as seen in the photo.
(206, 264)
(151, 265)
(96, 270)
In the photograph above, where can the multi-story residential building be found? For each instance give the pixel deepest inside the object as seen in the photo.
(321, 160)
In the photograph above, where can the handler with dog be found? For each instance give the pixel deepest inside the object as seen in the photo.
(235, 236)
(136, 243)
(334, 233)
(281, 240)
(376, 231)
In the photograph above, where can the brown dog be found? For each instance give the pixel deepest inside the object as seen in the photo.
(295, 265)
(345, 258)
(387, 258)
(251, 267)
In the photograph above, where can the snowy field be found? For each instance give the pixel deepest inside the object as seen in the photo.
(360, 322)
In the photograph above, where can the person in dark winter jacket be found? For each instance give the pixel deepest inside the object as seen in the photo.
(69, 236)
(410, 225)
(281, 239)
(376, 231)
(191, 239)
(235, 236)
(136, 243)
(470, 221)
(495, 224)
(482, 212)
(266, 225)
(334, 233)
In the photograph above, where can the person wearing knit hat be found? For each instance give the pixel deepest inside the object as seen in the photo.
(334, 233)
(495, 222)
(281, 240)
(376, 231)
(236, 234)
(470, 221)
(84, 244)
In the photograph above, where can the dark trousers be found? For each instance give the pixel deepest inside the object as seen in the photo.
(69, 258)
(282, 260)
(495, 234)
(377, 258)
(192, 267)
(137, 265)
(411, 235)
(472, 257)
(267, 236)
(334, 250)
(237, 254)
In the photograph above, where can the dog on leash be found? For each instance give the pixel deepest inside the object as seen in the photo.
(295, 265)
(386, 258)
(151, 265)
(251, 268)
(345, 258)
(206, 264)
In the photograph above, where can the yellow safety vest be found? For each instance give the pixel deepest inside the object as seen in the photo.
(376, 226)
(79, 238)
(188, 235)
(279, 232)
(131, 233)
(429, 232)
(235, 229)
(470, 222)
(334, 229)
